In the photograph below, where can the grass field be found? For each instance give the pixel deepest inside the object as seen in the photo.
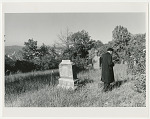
(39, 89)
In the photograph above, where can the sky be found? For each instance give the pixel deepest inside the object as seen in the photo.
(45, 27)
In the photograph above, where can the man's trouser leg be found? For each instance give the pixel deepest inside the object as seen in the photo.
(106, 86)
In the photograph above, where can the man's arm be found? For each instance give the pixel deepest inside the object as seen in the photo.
(100, 60)
(110, 62)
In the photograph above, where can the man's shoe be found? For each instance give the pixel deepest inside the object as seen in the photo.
(104, 91)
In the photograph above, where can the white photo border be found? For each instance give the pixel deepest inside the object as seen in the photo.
(71, 7)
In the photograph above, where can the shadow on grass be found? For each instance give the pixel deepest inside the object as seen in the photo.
(83, 82)
(117, 84)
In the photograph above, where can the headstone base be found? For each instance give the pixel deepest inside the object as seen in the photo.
(67, 83)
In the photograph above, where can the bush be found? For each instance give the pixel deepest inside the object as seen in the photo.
(139, 67)
(24, 66)
(80, 63)
(9, 65)
(46, 62)
(137, 53)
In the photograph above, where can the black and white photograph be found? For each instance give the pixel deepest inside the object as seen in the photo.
(75, 59)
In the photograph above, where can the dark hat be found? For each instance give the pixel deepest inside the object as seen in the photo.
(110, 49)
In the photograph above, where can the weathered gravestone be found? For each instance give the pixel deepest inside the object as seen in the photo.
(96, 61)
(68, 75)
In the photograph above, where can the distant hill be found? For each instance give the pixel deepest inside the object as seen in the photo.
(14, 50)
(11, 49)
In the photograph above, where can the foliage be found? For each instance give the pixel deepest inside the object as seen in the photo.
(129, 48)
(64, 39)
(81, 63)
(82, 43)
(91, 53)
(24, 66)
(102, 49)
(46, 62)
(137, 54)
(30, 50)
(77, 50)
(97, 44)
(121, 37)
(79, 47)
(9, 65)
(14, 66)
(46, 58)
(43, 50)
(43, 58)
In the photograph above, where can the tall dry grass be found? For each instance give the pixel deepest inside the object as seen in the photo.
(42, 93)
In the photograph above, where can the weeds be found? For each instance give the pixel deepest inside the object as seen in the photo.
(37, 90)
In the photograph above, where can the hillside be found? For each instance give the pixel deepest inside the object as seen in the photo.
(14, 51)
(11, 49)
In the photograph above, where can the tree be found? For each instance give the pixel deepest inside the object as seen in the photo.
(43, 50)
(97, 44)
(46, 62)
(30, 50)
(47, 59)
(121, 37)
(137, 52)
(120, 34)
(64, 39)
(9, 65)
(24, 66)
(82, 43)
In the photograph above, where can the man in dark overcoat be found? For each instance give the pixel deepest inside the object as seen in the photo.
(107, 73)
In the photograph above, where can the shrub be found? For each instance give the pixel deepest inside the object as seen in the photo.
(9, 65)
(80, 63)
(137, 53)
(24, 66)
(46, 62)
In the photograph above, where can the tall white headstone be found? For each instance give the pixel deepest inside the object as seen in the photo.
(67, 75)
